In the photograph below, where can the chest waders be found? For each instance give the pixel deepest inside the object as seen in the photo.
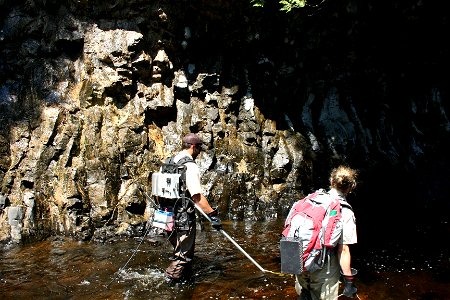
(183, 234)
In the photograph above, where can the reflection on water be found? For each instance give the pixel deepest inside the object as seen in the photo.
(64, 269)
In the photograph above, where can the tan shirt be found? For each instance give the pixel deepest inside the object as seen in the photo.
(349, 235)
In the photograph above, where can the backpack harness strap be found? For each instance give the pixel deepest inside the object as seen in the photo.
(181, 214)
(346, 205)
(182, 170)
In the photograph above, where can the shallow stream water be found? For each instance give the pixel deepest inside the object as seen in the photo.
(63, 269)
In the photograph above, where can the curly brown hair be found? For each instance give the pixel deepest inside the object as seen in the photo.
(343, 178)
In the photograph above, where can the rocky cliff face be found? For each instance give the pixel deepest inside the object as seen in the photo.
(95, 95)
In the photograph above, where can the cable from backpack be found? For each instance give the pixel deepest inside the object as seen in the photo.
(343, 295)
(147, 196)
(174, 221)
(129, 259)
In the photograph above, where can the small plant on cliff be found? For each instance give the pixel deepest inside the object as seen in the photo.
(286, 5)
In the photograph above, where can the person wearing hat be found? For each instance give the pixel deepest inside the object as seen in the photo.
(182, 237)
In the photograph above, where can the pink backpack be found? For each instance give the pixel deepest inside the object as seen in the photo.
(315, 223)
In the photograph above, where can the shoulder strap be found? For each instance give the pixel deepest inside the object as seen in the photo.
(342, 203)
(346, 205)
(182, 170)
(184, 160)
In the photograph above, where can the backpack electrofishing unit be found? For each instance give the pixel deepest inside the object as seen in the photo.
(169, 186)
(312, 229)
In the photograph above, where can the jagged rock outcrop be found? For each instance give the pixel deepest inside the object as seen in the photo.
(94, 96)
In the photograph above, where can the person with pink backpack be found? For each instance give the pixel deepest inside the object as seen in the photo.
(323, 224)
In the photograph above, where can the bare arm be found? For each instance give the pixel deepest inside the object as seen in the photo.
(202, 202)
(345, 259)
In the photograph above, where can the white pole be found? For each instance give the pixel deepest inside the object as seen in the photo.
(231, 240)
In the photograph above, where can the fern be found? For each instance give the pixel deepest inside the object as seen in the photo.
(286, 5)
(258, 3)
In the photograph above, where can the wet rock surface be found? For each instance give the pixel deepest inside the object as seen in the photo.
(93, 96)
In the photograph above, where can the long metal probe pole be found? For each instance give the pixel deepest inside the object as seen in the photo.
(242, 250)
(233, 241)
